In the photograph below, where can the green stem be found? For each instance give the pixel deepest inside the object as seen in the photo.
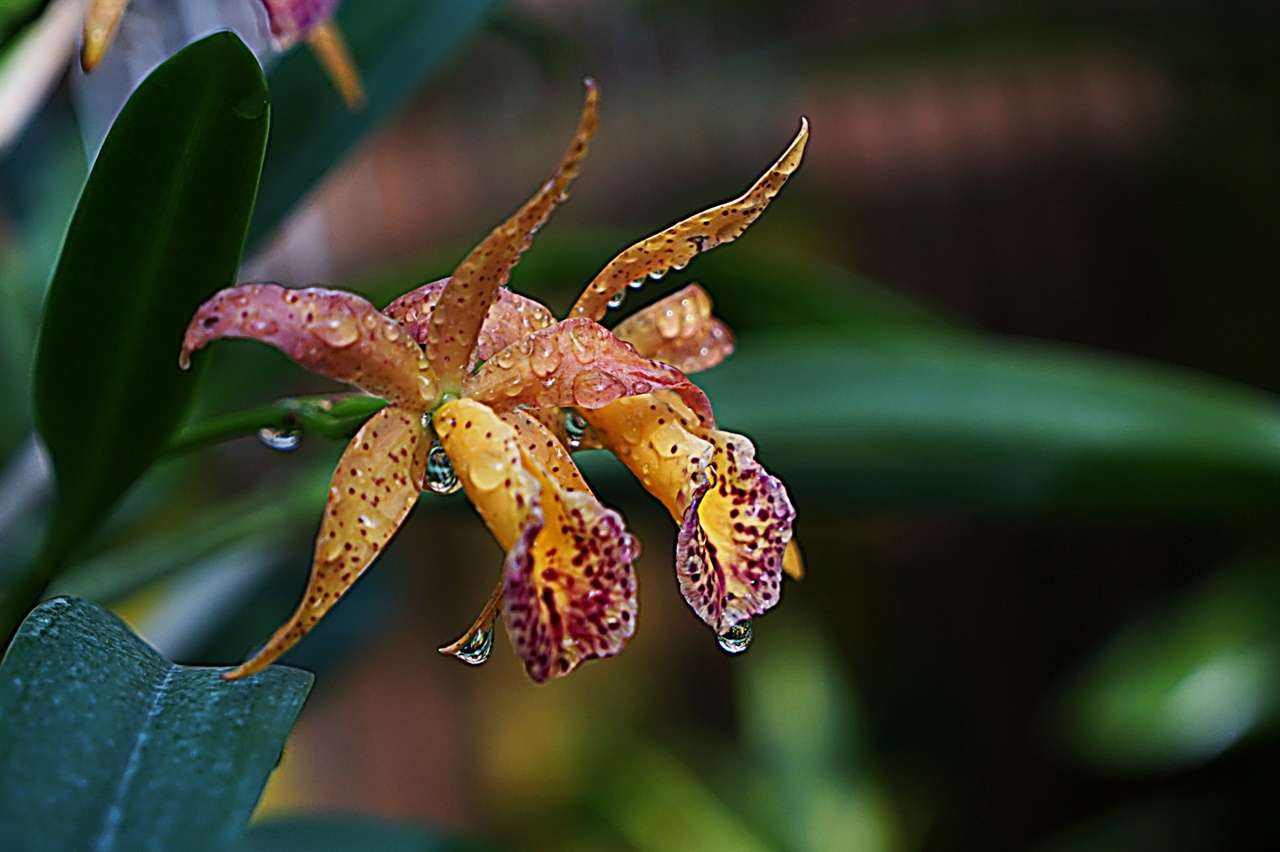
(228, 427)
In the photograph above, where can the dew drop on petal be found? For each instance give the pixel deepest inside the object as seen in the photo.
(668, 324)
(617, 300)
(338, 331)
(637, 284)
(283, 440)
(582, 342)
(487, 473)
(440, 478)
(657, 274)
(736, 639)
(545, 357)
(477, 648)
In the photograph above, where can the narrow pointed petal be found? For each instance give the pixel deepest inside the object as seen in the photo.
(335, 334)
(792, 561)
(330, 50)
(376, 484)
(568, 584)
(101, 20)
(679, 330)
(576, 362)
(455, 323)
(677, 245)
(735, 518)
(483, 623)
(510, 318)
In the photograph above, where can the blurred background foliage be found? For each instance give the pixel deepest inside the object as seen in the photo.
(1008, 336)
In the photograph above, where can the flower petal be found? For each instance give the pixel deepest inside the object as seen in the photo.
(576, 362)
(568, 584)
(510, 318)
(101, 20)
(293, 19)
(676, 246)
(335, 334)
(679, 330)
(330, 50)
(455, 323)
(735, 518)
(376, 484)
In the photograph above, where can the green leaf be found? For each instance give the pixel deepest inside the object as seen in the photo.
(1186, 683)
(342, 833)
(998, 426)
(159, 227)
(106, 745)
(396, 44)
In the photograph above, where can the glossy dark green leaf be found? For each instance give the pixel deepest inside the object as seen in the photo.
(1000, 426)
(106, 745)
(159, 227)
(328, 833)
(396, 44)
(1186, 683)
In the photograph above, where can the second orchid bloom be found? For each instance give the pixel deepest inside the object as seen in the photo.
(489, 393)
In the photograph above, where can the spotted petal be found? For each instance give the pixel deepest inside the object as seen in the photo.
(510, 318)
(677, 245)
(679, 330)
(335, 334)
(735, 519)
(568, 585)
(576, 362)
(376, 484)
(455, 323)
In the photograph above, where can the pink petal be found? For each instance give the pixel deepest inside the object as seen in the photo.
(679, 330)
(335, 334)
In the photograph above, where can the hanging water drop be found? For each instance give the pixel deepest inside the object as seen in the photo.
(477, 648)
(736, 639)
(657, 274)
(282, 439)
(617, 300)
(441, 478)
(637, 284)
(575, 429)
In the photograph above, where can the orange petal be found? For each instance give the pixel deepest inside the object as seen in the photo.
(510, 318)
(101, 19)
(335, 334)
(792, 561)
(676, 246)
(568, 584)
(735, 518)
(576, 362)
(330, 50)
(376, 484)
(679, 330)
(456, 321)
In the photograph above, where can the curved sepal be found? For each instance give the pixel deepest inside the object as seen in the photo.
(376, 484)
(679, 330)
(335, 334)
(576, 362)
(677, 245)
(455, 323)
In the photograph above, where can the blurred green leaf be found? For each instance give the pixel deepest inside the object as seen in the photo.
(159, 227)
(106, 745)
(342, 833)
(396, 45)
(1003, 426)
(1186, 683)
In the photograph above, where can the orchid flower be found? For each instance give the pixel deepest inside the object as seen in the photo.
(473, 374)
(289, 20)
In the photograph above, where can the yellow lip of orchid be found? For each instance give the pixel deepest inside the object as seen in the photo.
(474, 376)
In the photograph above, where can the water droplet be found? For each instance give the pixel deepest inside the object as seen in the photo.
(477, 648)
(391, 332)
(736, 639)
(505, 359)
(575, 429)
(676, 267)
(440, 476)
(668, 324)
(487, 473)
(262, 327)
(637, 284)
(657, 274)
(583, 343)
(281, 439)
(617, 300)
(338, 331)
(545, 357)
